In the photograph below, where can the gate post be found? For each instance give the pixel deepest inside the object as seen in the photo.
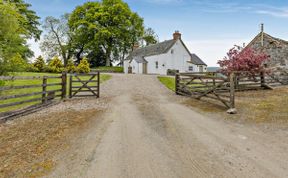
(44, 92)
(177, 79)
(98, 84)
(70, 85)
(262, 78)
(232, 109)
(64, 85)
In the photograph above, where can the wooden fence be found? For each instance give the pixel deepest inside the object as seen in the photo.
(209, 85)
(216, 86)
(40, 92)
(78, 85)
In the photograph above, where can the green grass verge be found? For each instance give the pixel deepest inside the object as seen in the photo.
(169, 82)
(103, 77)
(109, 69)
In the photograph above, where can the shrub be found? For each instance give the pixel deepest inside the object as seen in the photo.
(55, 65)
(84, 66)
(39, 64)
(17, 64)
(171, 72)
(2, 83)
(70, 66)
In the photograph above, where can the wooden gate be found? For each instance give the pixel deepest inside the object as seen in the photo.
(208, 85)
(84, 85)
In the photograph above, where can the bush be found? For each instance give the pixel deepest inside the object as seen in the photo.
(17, 64)
(2, 83)
(70, 66)
(171, 72)
(84, 66)
(39, 64)
(55, 65)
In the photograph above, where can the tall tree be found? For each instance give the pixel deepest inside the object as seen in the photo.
(149, 37)
(30, 21)
(12, 43)
(57, 40)
(109, 24)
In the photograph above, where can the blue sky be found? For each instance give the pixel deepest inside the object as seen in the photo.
(209, 27)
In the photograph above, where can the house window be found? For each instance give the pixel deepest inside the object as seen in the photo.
(172, 51)
(156, 64)
(190, 68)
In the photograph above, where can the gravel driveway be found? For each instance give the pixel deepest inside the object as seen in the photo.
(146, 131)
(138, 128)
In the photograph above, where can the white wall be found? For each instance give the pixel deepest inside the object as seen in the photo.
(176, 60)
(126, 65)
(171, 60)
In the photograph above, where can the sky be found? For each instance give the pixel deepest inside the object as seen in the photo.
(209, 28)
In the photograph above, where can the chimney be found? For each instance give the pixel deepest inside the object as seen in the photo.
(176, 35)
(262, 34)
(135, 46)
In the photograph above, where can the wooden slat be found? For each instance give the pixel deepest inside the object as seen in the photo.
(19, 87)
(21, 95)
(77, 81)
(83, 91)
(19, 102)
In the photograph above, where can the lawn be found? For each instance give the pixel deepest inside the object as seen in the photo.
(103, 77)
(109, 69)
(169, 82)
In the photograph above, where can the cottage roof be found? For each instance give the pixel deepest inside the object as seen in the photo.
(140, 59)
(151, 50)
(196, 60)
(271, 39)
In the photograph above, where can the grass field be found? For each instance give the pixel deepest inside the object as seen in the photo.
(253, 106)
(103, 77)
(110, 69)
(169, 82)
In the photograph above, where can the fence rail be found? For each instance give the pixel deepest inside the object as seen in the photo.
(42, 92)
(222, 88)
(83, 85)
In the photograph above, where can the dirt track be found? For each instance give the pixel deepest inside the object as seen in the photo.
(147, 132)
(138, 129)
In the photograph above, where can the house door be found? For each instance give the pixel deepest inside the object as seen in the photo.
(129, 70)
(144, 68)
(200, 68)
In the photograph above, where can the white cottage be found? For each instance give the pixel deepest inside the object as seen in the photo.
(160, 57)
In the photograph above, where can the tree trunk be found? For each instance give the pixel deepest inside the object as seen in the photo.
(108, 54)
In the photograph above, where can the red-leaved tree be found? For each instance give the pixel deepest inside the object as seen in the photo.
(239, 59)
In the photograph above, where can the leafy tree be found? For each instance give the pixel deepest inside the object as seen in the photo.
(28, 19)
(109, 24)
(239, 59)
(55, 65)
(17, 24)
(39, 64)
(84, 66)
(11, 41)
(58, 40)
(149, 37)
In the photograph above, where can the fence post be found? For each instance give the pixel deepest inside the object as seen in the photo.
(177, 79)
(70, 85)
(262, 78)
(98, 84)
(44, 91)
(64, 85)
(232, 90)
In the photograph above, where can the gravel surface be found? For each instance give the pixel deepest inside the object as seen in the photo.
(138, 128)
